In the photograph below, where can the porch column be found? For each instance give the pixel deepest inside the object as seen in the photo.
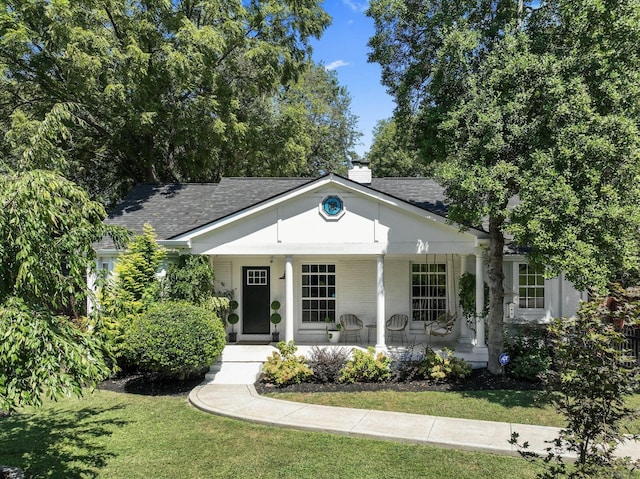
(480, 342)
(288, 298)
(466, 336)
(380, 305)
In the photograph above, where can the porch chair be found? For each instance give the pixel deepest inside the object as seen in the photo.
(397, 324)
(351, 324)
(441, 326)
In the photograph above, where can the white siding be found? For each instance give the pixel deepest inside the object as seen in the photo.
(223, 276)
(368, 227)
(357, 289)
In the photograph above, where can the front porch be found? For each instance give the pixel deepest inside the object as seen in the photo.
(240, 362)
(308, 289)
(254, 353)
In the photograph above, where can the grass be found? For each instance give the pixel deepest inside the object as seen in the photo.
(111, 435)
(521, 407)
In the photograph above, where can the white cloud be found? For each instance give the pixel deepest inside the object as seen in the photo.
(336, 64)
(356, 6)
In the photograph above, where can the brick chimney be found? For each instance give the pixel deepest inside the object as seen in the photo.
(360, 172)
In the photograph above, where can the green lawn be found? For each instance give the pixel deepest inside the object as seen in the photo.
(128, 436)
(522, 407)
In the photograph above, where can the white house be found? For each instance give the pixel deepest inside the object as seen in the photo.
(329, 246)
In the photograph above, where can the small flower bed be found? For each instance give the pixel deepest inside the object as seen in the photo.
(339, 365)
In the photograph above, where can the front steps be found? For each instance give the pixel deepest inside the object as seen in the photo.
(238, 364)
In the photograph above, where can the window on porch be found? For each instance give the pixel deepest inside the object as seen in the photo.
(318, 292)
(530, 287)
(428, 291)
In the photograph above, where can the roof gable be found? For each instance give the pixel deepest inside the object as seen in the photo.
(177, 211)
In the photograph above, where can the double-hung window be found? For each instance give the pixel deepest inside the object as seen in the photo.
(530, 287)
(318, 292)
(428, 291)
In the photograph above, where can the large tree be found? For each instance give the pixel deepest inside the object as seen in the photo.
(390, 155)
(118, 91)
(305, 128)
(505, 101)
(48, 227)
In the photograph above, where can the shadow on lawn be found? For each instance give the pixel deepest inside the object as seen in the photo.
(57, 444)
(510, 398)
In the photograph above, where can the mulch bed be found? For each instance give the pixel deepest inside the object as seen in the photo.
(479, 380)
(149, 385)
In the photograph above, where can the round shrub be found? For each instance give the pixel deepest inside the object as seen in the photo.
(174, 339)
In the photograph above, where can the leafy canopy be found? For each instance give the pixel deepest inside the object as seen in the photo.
(536, 103)
(117, 92)
(48, 226)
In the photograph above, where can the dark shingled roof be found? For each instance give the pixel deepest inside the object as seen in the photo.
(424, 193)
(175, 209)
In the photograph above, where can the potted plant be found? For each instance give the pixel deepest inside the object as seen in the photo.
(333, 330)
(233, 319)
(275, 319)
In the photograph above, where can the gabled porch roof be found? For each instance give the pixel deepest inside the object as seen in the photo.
(179, 212)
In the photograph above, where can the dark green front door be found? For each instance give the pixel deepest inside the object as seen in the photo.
(255, 300)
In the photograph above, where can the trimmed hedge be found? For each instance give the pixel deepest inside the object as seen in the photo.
(174, 339)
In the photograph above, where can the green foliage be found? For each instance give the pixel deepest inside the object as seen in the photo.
(233, 319)
(135, 285)
(189, 279)
(592, 378)
(444, 366)
(390, 156)
(366, 366)
(306, 129)
(405, 366)
(220, 305)
(133, 288)
(48, 228)
(530, 353)
(284, 367)
(506, 102)
(174, 339)
(468, 296)
(44, 355)
(122, 91)
(327, 363)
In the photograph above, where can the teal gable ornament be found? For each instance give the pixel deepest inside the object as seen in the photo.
(332, 207)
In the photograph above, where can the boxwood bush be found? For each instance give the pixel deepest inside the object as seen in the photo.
(174, 339)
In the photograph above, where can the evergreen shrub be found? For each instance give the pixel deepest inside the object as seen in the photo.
(174, 339)
(530, 352)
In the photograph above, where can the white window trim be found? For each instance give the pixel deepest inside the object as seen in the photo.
(315, 325)
(448, 291)
(516, 290)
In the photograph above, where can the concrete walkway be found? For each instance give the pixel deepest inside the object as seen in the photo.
(228, 391)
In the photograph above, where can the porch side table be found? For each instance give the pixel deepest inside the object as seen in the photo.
(370, 327)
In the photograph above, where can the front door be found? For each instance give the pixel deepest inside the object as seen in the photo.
(255, 300)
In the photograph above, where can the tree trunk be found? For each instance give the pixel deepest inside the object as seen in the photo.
(496, 294)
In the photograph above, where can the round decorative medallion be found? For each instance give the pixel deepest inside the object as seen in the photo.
(332, 207)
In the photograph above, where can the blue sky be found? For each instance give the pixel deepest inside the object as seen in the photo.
(343, 48)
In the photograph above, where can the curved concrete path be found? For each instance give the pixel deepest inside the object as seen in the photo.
(229, 392)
